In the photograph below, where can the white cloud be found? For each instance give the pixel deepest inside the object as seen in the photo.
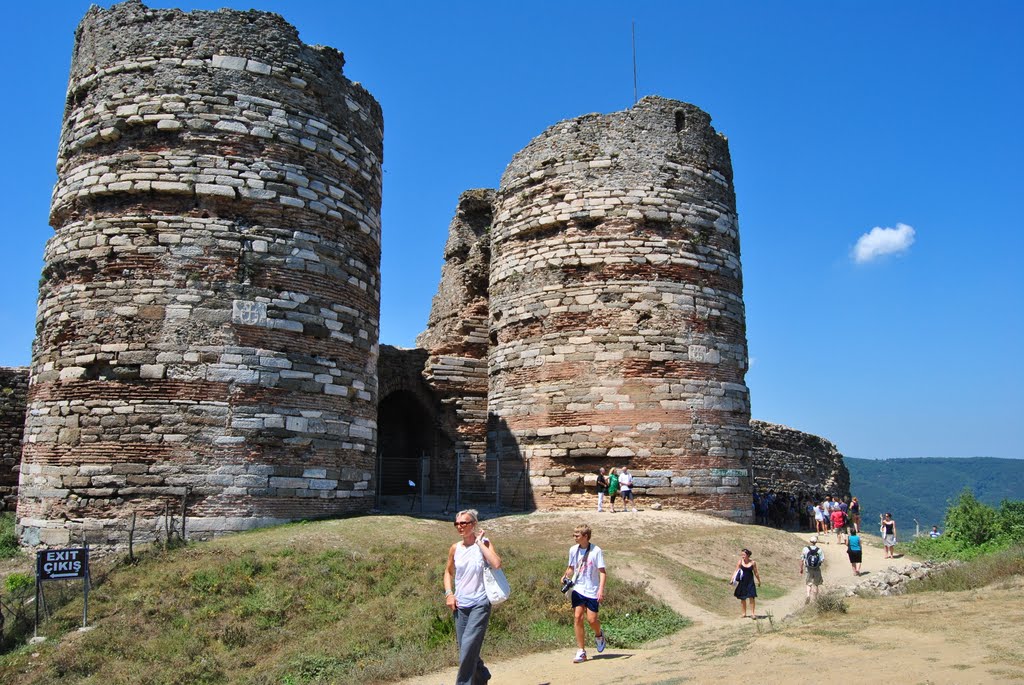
(879, 242)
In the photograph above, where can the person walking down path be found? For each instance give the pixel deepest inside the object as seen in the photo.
(602, 488)
(888, 530)
(744, 577)
(587, 573)
(626, 488)
(613, 487)
(468, 599)
(811, 559)
(854, 551)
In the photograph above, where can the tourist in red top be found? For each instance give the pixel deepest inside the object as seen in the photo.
(838, 517)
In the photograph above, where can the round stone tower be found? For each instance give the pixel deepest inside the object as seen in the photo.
(208, 311)
(617, 322)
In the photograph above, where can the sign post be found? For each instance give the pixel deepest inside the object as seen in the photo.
(63, 564)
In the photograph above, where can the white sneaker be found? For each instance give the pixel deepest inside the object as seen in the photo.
(581, 656)
(600, 642)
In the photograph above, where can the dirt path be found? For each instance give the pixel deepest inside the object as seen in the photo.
(913, 635)
(660, 661)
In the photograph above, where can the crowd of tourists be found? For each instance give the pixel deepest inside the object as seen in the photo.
(812, 512)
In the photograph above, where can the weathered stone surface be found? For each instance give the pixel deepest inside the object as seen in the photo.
(616, 304)
(894, 579)
(211, 292)
(788, 460)
(13, 399)
(209, 307)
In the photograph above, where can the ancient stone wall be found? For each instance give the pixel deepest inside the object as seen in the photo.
(13, 396)
(208, 313)
(787, 460)
(617, 321)
(456, 335)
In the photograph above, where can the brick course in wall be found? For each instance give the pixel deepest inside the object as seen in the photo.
(208, 313)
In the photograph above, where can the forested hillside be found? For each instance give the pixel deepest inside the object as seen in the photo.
(921, 488)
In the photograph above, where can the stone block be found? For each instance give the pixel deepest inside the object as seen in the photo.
(229, 62)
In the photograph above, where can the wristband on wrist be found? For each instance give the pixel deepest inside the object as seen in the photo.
(448, 593)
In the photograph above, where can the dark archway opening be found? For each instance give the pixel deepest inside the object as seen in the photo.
(405, 436)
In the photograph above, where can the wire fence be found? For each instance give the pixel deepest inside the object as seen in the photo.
(425, 485)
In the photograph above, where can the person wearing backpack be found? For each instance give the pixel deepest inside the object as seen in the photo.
(811, 560)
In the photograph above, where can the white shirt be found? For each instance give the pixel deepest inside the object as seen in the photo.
(588, 580)
(821, 554)
(469, 576)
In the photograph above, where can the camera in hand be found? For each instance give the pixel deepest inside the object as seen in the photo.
(567, 584)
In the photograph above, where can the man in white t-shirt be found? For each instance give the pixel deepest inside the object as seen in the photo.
(626, 488)
(586, 570)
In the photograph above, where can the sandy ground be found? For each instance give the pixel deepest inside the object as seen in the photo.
(966, 637)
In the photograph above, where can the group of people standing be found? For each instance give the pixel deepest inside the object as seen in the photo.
(840, 516)
(618, 481)
(802, 510)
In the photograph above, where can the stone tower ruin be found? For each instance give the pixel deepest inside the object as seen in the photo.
(617, 325)
(207, 330)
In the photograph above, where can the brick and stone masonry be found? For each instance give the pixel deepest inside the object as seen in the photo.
(208, 314)
(457, 335)
(617, 331)
(788, 460)
(13, 396)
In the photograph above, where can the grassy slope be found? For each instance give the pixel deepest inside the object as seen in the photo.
(922, 488)
(358, 600)
(353, 600)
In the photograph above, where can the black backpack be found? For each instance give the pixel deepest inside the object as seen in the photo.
(813, 558)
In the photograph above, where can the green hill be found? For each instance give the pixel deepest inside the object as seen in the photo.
(922, 488)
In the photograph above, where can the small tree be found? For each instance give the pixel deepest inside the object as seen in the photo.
(971, 522)
(1011, 519)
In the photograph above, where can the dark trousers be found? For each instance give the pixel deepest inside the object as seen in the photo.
(470, 628)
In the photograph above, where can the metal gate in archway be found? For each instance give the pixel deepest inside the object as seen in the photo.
(465, 482)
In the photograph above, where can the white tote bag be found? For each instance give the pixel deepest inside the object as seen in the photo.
(496, 585)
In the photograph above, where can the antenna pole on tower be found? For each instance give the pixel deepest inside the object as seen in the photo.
(634, 62)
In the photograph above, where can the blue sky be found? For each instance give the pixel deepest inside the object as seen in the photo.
(842, 118)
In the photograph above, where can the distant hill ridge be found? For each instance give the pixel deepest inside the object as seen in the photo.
(921, 488)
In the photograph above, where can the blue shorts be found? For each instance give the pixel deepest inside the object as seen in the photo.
(579, 600)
